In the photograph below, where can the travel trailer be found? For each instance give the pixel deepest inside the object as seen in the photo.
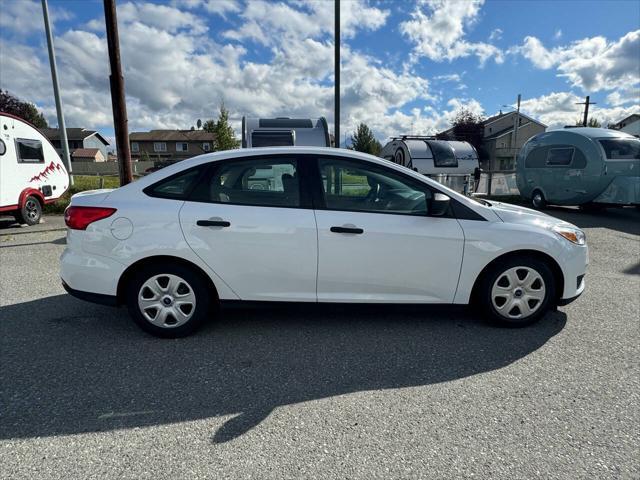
(285, 132)
(580, 166)
(451, 163)
(31, 171)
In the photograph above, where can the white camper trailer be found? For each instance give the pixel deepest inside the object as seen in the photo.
(451, 163)
(31, 171)
(285, 132)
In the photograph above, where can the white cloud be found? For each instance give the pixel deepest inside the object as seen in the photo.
(220, 7)
(175, 73)
(558, 34)
(23, 18)
(558, 109)
(437, 30)
(593, 64)
(624, 96)
(495, 35)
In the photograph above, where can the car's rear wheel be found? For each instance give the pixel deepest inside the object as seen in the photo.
(537, 200)
(30, 212)
(168, 300)
(517, 292)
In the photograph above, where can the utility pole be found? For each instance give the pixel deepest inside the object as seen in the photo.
(118, 102)
(336, 74)
(586, 104)
(515, 133)
(62, 129)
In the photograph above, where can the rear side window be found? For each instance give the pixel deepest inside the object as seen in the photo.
(29, 151)
(621, 149)
(178, 186)
(443, 154)
(272, 182)
(559, 157)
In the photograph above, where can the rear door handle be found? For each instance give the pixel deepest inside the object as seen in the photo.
(354, 230)
(213, 223)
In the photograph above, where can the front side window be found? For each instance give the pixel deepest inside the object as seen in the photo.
(29, 151)
(176, 187)
(621, 148)
(443, 154)
(355, 186)
(3, 147)
(272, 182)
(159, 147)
(559, 157)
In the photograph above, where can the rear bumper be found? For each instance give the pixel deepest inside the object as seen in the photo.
(110, 300)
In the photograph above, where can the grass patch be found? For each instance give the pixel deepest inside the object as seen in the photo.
(82, 183)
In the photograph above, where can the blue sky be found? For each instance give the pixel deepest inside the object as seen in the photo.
(407, 66)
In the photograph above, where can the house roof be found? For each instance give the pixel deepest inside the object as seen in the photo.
(627, 119)
(172, 136)
(85, 152)
(500, 115)
(72, 134)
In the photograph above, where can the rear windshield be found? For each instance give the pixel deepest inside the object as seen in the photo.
(621, 148)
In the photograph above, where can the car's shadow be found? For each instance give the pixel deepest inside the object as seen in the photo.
(71, 367)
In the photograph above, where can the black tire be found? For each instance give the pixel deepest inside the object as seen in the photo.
(192, 281)
(31, 211)
(495, 276)
(537, 200)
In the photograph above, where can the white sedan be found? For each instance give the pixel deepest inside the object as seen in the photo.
(298, 224)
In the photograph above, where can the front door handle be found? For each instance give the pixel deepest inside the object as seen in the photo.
(213, 223)
(354, 230)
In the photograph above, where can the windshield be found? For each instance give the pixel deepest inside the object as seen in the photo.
(621, 148)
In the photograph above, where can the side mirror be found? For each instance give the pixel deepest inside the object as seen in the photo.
(438, 205)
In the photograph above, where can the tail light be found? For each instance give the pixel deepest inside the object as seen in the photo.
(79, 218)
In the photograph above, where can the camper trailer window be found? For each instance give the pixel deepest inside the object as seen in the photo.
(3, 147)
(29, 151)
(272, 139)
(621, 149)
(443, 154)
(559, 157)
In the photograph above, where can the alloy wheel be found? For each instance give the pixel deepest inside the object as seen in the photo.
(167, 301)
(518, 292)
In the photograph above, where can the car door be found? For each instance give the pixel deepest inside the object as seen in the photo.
(376, 241)
(251, 222)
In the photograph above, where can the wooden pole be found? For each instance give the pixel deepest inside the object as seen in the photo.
(337, 73)
(118, 102)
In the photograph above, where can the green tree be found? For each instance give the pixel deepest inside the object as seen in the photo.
(25, 110)
(466, 127)
(592, 122)
(225, 137)
(364, 141)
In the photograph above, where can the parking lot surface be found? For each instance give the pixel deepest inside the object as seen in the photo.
(328, 392)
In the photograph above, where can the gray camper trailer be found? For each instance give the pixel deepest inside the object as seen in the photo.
(580, 166)
(285, 132)
(451, 163)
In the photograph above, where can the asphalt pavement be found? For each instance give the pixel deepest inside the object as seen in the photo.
(332, 392)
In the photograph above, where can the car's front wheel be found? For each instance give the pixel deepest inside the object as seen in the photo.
(168, 300)
(517, 292)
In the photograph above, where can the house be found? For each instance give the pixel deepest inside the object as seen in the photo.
(87, 155)
(630, 125)
(498, 149)
(170, 145)
(77, 138)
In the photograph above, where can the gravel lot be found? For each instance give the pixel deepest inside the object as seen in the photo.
(321, 393)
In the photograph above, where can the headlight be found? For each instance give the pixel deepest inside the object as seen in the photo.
(574, 235)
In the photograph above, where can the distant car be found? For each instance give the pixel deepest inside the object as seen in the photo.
(580, 166)
(310, 224)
